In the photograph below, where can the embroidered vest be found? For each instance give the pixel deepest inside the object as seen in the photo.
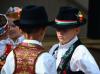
(25, 58)
(64, 67)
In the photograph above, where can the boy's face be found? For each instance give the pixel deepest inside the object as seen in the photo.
(14, 31)
(64, 36)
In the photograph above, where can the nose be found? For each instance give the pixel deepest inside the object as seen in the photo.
(12, 27)
(60, 32)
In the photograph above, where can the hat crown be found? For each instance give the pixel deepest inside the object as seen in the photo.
(33, 15)
(67, 13)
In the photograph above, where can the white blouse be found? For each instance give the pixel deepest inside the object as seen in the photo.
(2, 47)
(81, 58)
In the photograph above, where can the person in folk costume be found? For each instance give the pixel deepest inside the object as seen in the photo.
(15, 35)
(4, 47)
(72, 57)
(29, 56)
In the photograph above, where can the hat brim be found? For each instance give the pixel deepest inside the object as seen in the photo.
(66, 26)
(16, 22)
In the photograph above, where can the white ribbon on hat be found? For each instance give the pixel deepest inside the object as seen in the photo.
(65, 21)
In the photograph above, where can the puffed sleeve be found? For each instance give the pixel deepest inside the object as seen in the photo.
(45, 64)
(9, 65)
(84, 61)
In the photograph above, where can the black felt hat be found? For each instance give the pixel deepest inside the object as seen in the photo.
(32, 16)
(69, 17)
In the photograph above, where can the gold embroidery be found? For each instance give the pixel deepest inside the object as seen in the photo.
(26, 57)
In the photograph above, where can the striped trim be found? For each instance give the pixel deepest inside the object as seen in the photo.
(65, 22)
(4, 28)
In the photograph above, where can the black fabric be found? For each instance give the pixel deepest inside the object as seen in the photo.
(67, 13)
(55, 50)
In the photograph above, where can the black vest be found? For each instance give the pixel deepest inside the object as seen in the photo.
(64, 66)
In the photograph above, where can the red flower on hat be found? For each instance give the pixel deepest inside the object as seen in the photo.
(80, 16)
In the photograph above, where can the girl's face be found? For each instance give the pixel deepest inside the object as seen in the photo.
(64, 36)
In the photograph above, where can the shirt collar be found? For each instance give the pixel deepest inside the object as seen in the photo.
(33, 42)
(19, 40)
(2, 42)
(67, 45)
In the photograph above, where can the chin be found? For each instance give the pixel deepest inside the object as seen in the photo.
(61, 42)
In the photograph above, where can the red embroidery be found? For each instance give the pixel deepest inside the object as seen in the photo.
(8, 49)
(25, 58)
(64, 72)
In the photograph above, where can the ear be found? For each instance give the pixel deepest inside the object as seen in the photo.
(42, 31)
(77, 30)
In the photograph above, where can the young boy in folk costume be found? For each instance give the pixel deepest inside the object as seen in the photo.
(4, 47)
(29, 56)
(72, 57)
(15, 35)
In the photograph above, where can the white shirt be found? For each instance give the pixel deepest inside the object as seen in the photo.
(45, 63)
(2, 47)
(81, 58)
(14, 44)
(4, 42)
